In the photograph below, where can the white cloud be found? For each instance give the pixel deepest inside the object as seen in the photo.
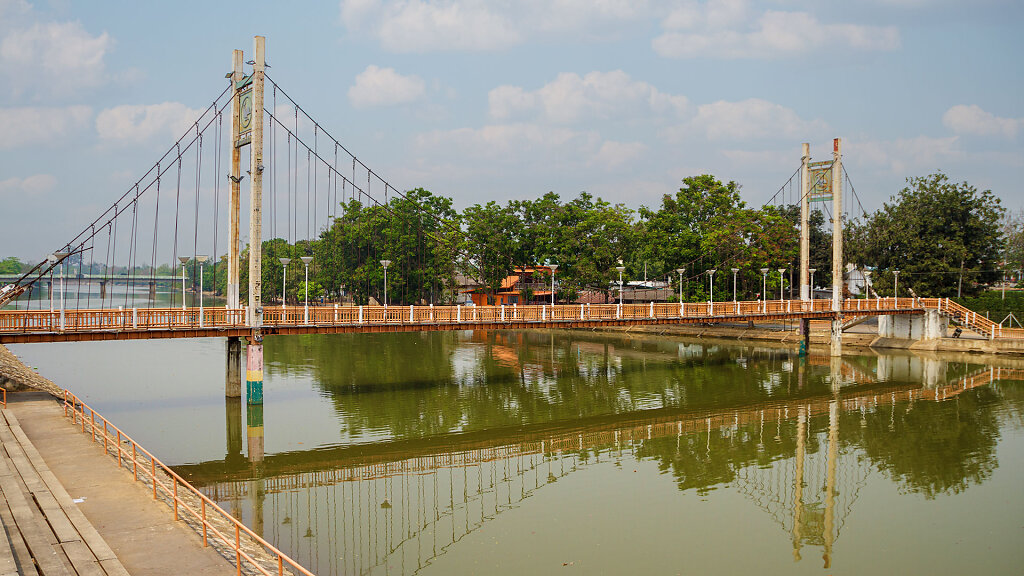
(510, 143)
(964, 119)
(31, 185)
(384, 87)
(613, 155)
(419, 25)
(751, 119)
(28, 126)
(544, 152)
(571, 98)
(137, 123)
(54, 56)
(14, 7)
(905, 156)
(730, 29)
(437, 25)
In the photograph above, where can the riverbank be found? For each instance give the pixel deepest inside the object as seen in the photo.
(820, 338)
(15, 375)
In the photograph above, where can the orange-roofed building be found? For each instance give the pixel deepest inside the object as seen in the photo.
(526, 285)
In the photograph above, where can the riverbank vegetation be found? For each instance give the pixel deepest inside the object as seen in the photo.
(945, 238)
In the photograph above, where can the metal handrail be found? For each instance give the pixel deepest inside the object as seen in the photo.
(144, 465)
(145, 319)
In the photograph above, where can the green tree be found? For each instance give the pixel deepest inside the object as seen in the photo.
(938, 233)
(10, 265)
(706, 225)
(417, 233)
(491, 242)
(1013, 242)
(591, 236)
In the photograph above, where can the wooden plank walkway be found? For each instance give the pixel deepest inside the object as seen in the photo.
(46, 532)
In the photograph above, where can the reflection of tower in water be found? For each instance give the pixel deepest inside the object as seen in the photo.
(811, 494)
(390, 510)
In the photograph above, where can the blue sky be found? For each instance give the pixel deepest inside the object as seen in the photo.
(488, 101)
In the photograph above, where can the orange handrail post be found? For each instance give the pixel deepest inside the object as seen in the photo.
(271, 552)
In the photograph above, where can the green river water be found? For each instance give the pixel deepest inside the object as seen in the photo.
(556, 452)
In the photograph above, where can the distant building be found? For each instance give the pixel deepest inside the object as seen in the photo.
(526, 285)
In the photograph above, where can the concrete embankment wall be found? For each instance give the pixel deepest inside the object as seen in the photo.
(15, 375)
(850, 339)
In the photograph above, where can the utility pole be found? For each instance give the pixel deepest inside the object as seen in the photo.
(805, 232)
(837, 247)
(236, 178)
(805, 244)
(233, 373)
(256, 190)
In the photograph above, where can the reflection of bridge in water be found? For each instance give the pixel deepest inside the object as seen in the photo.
(398, 506)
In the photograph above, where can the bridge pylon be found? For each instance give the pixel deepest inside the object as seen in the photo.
(247, 129)
(836, 342)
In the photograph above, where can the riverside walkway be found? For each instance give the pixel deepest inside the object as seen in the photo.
(67, 509)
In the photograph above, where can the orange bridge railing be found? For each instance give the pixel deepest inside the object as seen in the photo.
(216, 526)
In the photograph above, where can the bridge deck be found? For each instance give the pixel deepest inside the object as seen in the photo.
(18, 326)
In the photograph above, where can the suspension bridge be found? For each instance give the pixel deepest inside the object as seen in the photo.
(176, 211)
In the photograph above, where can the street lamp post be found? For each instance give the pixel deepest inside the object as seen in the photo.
(284, 282)
(621, 269)
(782, 281)
(306, 260)
(812, 271)
(896, 286)
(553, 268)
(711, 295)
(764, 290)
(680, 270)
(60, 256)
(183, 260)
(734, 271)
(52, 259)
(385, 264)
(201, 259)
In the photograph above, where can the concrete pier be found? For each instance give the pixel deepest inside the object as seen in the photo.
(233, 372)
(929, 326)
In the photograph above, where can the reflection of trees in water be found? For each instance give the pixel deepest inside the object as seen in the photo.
(421, 384)
(931, 447)
(802, 461)
(710, 459)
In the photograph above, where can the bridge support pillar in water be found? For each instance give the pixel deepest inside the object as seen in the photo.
(103, 289)
(254, 432)
(233, 427)
(152, 291)
(805, 336)
(233, 373)
(836, 339)
(257, 486)
(254, 375)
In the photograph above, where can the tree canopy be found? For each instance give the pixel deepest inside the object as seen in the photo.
(937, 233)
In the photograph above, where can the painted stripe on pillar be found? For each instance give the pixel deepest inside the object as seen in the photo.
(254, 374)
